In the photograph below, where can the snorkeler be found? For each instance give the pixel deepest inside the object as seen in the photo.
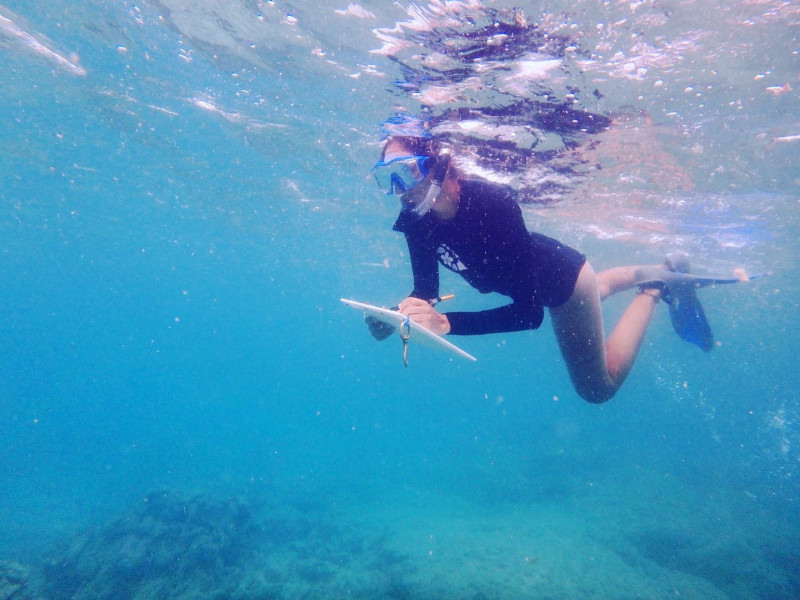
(476, 229)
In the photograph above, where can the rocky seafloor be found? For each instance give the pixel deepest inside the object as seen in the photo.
(175, 546)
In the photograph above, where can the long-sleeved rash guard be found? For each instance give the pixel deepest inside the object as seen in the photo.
(486, 242)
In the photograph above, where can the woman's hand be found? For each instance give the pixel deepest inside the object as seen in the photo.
(421, 312)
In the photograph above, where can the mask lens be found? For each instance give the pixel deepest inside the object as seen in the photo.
(401, 174)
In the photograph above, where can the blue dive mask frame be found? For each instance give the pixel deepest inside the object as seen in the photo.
(401, 174)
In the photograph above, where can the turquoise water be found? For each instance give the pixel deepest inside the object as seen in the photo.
(187, 410)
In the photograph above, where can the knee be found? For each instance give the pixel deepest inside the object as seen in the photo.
(595, 388)
(595, 395)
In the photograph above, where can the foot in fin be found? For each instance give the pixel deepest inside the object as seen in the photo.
(679, 290)
(685, 311)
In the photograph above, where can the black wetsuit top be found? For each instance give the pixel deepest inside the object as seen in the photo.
(486, 242)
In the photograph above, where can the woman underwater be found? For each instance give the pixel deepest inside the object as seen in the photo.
(476, 229)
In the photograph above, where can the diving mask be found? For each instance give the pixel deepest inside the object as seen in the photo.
(400, 175)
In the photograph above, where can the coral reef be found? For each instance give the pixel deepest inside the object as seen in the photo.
(172, 546)
(15, 582)
(169, 546)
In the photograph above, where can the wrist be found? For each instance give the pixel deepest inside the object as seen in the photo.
(445, 325)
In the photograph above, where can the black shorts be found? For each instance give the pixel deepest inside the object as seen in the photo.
(557, 268)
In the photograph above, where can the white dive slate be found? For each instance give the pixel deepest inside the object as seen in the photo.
(417, 332)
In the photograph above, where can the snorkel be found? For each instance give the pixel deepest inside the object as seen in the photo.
(439, 172)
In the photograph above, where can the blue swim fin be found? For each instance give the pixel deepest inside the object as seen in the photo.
(679, 291)
(685, 311)
(688, 318)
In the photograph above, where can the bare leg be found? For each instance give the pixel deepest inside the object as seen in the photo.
(598, 367)
(617, 279)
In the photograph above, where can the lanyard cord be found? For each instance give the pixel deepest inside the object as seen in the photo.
(405, 326)
(405, 333)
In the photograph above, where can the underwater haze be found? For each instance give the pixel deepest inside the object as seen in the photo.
(187, 410)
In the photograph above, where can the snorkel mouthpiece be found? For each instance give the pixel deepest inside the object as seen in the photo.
(439, 172)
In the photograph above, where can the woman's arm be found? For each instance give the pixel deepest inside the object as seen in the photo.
(424, 267)
(517, 316)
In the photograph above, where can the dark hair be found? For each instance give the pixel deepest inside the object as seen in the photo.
(419, 146)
